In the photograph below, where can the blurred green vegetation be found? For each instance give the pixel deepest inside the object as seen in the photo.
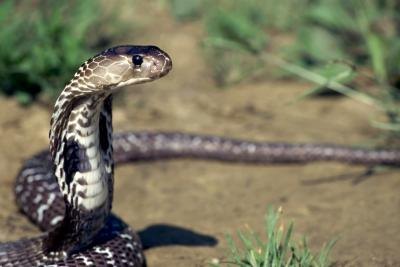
(346, 46)
(186, 10)
(279, 249)
(43, 42)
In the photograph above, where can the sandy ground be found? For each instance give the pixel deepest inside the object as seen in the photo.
(184, 208)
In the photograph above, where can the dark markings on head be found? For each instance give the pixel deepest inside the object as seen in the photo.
(92, 65)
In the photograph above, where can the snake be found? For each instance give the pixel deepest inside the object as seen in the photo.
(67, 190)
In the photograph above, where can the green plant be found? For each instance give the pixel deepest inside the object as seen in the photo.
(184, 10)
(43, 42)
(334, 43)
(385, 100)
(354, 30)
(279, 250)
(283, 15)
(235, 35)
(366, 34)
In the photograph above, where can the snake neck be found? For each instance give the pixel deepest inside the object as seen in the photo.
(81, 148)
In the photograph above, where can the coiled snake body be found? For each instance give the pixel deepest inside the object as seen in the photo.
(68, 191)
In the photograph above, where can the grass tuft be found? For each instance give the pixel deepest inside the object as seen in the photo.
(235, 36)
(304, 37)
(279, 249)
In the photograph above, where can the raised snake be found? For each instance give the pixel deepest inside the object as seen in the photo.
(68, 190)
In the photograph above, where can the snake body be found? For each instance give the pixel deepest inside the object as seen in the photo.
(68, 190)
(75, 182)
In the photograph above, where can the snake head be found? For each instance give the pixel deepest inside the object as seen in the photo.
(124, 65)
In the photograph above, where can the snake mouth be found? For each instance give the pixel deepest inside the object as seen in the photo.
(154, 67)
(162, 63)
(166, 67)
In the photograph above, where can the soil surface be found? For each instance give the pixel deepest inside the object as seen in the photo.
(184, 208)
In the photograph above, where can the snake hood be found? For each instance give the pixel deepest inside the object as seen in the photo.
(81, 137)
(99, 76)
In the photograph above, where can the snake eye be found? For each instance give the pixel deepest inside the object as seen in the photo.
(137, 60)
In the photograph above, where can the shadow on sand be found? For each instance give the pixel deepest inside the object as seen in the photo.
(158, 235)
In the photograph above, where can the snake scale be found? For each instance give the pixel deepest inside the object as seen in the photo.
(68, 190)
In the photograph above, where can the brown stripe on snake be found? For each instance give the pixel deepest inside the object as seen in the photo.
(83, 234)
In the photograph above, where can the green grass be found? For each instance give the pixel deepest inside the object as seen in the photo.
(185, 10)
(43, 42)
(364, 34)
(235, 35)
(278, 250)
(346, 46)
(385, 100)
(333, 44)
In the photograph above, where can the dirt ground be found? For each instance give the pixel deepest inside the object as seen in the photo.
(184, 208)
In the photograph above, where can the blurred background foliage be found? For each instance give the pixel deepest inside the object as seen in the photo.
(43, 42)
(351, 47)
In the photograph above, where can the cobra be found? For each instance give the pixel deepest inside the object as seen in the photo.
(68, 190)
